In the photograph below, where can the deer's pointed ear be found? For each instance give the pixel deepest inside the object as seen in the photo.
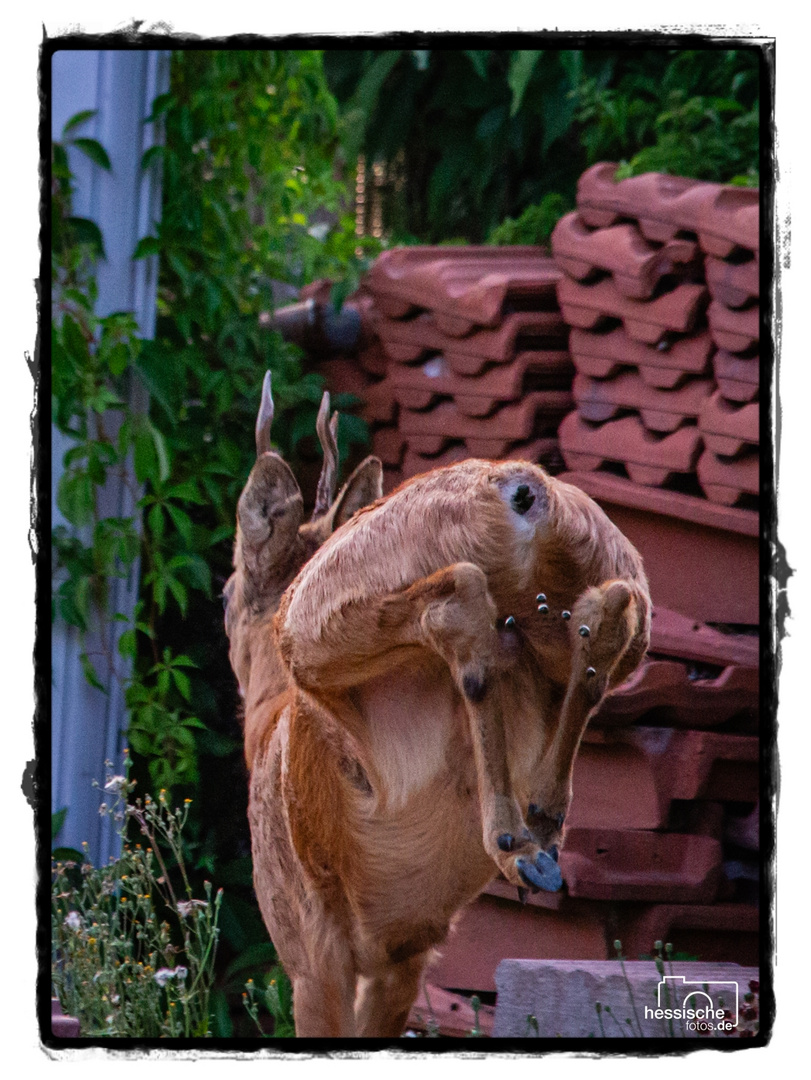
(363, 487)
(270, 507)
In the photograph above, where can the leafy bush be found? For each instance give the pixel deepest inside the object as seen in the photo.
(254, 205)
(474, 137)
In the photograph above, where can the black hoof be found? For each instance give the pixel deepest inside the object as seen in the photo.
(559, 819)
(553, 852)
(505, 842)
(474, 688)
(544, 873)
(522, 895)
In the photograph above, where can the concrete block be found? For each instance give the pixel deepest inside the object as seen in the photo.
(562, 995)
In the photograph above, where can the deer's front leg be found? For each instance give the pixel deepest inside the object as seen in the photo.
(609, 631)
(452, 613)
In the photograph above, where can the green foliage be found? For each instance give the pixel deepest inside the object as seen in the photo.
(535, 225)
(253, 198)
(277, 998)
(478, 136)
(131, 958)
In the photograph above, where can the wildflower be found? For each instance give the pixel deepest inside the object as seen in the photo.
(185, 907)
(116, 784)
(103, 809)
(73, 920)
(164, 974)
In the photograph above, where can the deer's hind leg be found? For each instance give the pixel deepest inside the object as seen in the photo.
(384, 1000)
(452, 613)
(609, 632)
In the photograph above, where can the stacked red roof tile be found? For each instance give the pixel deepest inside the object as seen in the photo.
(469, 348)
(662, 288)
(635, 353)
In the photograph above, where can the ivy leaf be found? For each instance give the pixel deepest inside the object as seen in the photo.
(147, 245)
(74, 342)
(159, 106)
(78, 119)
(87, 232)
(93, 149)
(75, 497)
(57, 821)
(522, 65)
(154, 153)
(183, 683)
(90, 673)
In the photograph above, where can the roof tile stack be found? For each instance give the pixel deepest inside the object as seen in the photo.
(466, 354)
(469, 349)
(661, 289)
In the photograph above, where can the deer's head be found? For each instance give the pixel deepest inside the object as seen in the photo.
(273, 541)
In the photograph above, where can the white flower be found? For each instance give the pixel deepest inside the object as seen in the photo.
(73, 920)
(115, 784)
(185, 907)
(163, 975)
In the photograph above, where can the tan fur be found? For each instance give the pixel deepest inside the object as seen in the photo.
(395, 730)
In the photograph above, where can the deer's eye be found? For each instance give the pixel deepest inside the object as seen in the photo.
(522, 499)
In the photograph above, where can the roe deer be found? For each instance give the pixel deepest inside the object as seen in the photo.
(414, 709)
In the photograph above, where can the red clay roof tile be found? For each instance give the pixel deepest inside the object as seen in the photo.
(417, 386)
(669, 689)
(673, 634)
(726, 480)
(537, 409)
(738, 377)
(727, 427)
(407, 340)
(735, 331)
(648, 460)
(723, 217)
(465, 287)
(636, 266)
(664, 366)
(677, 311)
(616, 864)
(661, 410)
(733, 284)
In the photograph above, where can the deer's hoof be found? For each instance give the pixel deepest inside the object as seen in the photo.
(543, 873)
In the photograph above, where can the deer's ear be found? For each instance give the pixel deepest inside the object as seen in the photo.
(363, 487)
(270, 507)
